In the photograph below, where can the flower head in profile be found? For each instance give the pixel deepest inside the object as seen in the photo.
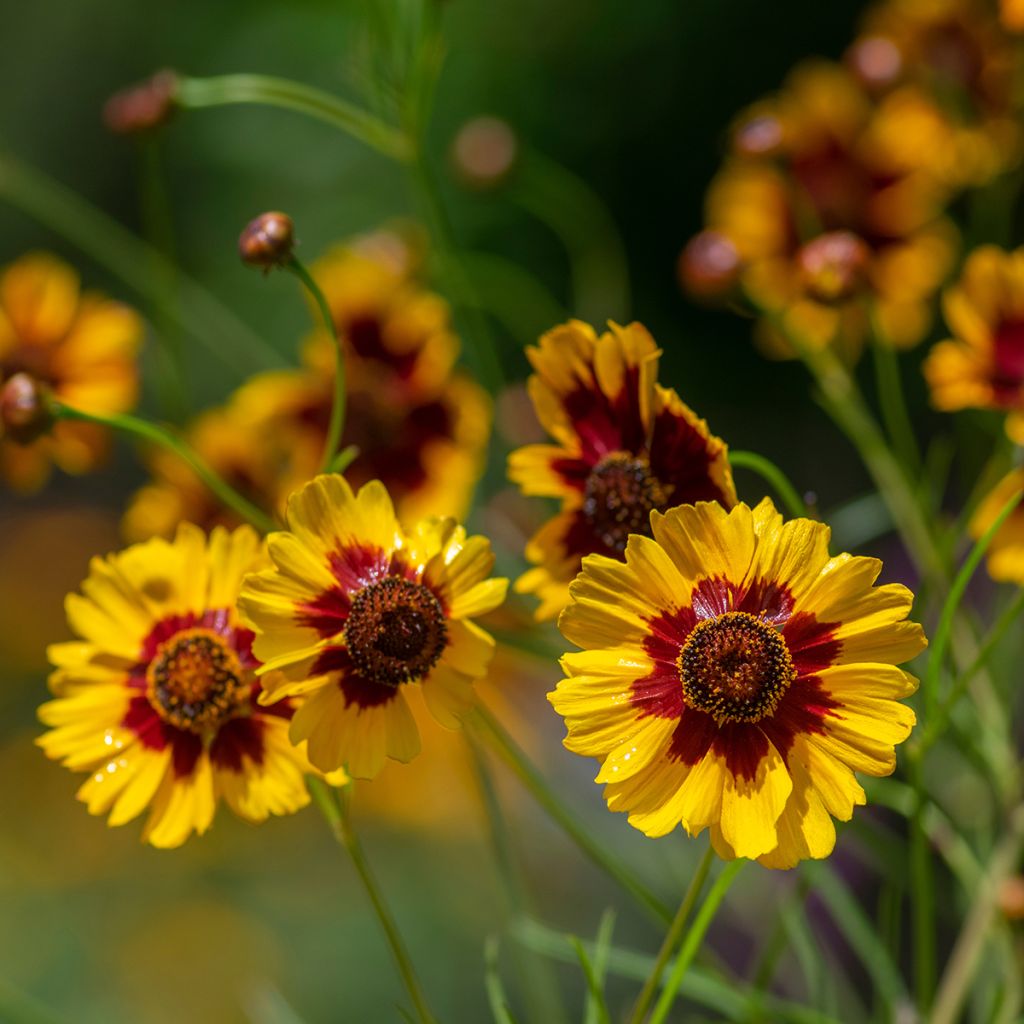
(982, 365)
(734, 677)
(1005, 558)
(624, 445)
(157, 699)
(80, 346)
(355, 609)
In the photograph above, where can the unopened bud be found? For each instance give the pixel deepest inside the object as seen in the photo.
(833, 266)
(709, 265)
(484, 151)
(267, 241)
(876, 61)
(142, 107)
(759, 135)
(26, 409)
(1011, 898)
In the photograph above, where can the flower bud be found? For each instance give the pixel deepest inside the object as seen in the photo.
(1011, 898)
(484, 152)
(833, 266)
(758, 135)
(142, 107)
(267, 241)
(26, 408)
(876, 61)
(709, 265)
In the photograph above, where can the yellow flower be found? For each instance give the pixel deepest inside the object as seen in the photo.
(82, 346)
(1005, 560)
(157, 699)
(623, 445)
(355, 609)
(733, 677)
(982, 366)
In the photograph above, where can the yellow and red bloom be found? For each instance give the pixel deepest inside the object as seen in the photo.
(982, 365)
(81, 346)
(734, 677)
(158, 696)
(1005, 558)
(355, 609)
(624, 445)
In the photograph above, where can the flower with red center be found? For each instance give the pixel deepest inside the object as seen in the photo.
(982, 365)
(158, 697)
(624, 445)
(80, 347)
(355, 609)
(734, 677)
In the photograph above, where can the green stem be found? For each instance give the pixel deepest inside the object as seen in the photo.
(672, 937)
(509, 751)
(335, 809)
(922, 891)
(138, 265)
(893, 405)
(694, 937)
(263, 90)
(336, 426)
(157, 434)
(767, 470)
(344, 459)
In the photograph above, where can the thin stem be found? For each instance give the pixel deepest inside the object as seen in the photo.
(263, 90)
(344, 459)
(509, 751)
(157, 434)
(336, 426)
(138, 265)
(672, 937)
(922, 892)
(767, 470)
(335, 809)
(893, 405)
(693, 939)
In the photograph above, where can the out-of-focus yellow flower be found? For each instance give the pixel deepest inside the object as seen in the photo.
(80, 345)
(624, 445)
(356, 608)
(1005, 559)
(982, 365)
(838, 166)
(734, 677)
(158, 697)
(1011, 15)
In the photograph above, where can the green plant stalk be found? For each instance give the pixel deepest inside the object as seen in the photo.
(893, 405)
(694, 937)
(344, 459)
(335, 809)
(156, 434)
(263, 90)
(509, 752)
(768, 471)
(672, 937)
(922, 887)
(336, 426)
(138, 265)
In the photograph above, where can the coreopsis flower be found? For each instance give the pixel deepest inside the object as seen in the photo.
(833, 205)
(355, 609)
(734, 677)
(1005, 557)
(80, 346)
(982, 365)
(624, 445)
(157, 699)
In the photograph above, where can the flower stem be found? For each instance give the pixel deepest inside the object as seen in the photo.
(509, 751)
(767, 470)
(693, 939)
(672, 937)
(335, 809)
(157, 434)
(336, 425)
(263, 90)
(893, 405)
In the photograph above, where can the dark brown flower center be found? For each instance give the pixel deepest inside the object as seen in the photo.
(396, 631)
(195, 681)
(735, 667)
(618, 498)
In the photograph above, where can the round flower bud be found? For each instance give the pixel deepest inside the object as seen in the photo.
(267, 241)
(1011, 898)
(758, 135)
(26, 410)
(142, 107)
(876, 61)
(484, 152)
(833, 266)
(709, 265)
